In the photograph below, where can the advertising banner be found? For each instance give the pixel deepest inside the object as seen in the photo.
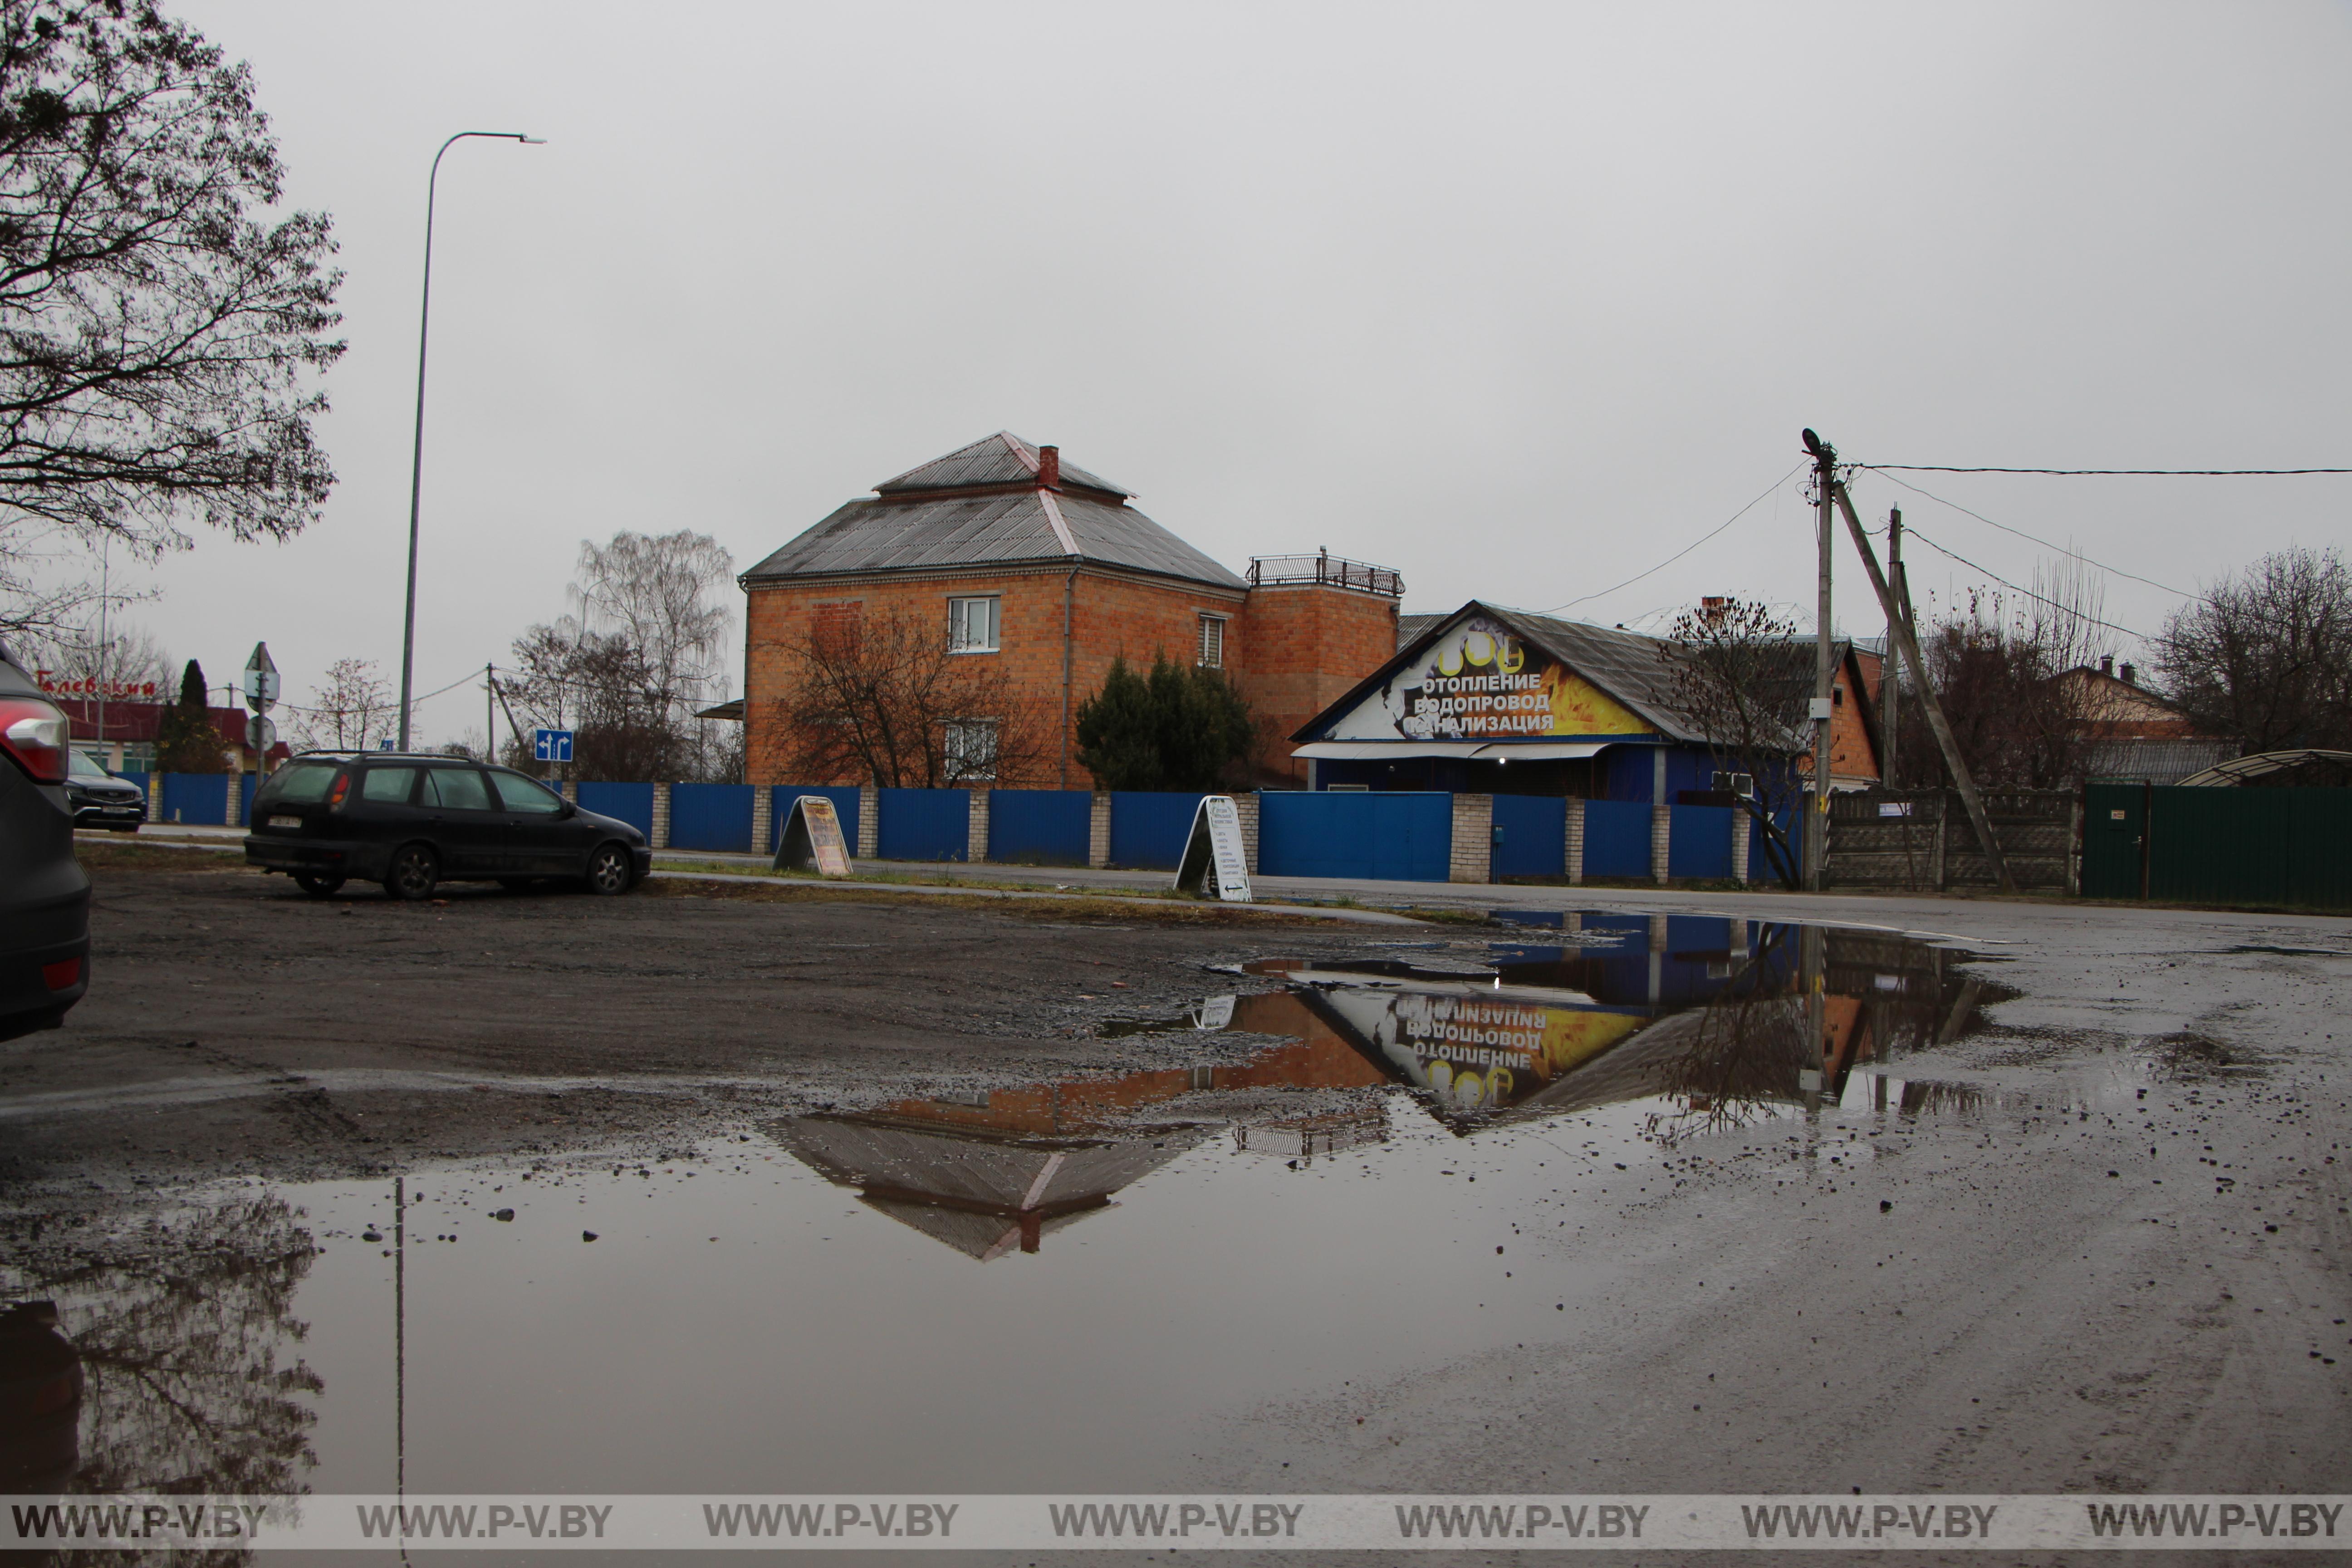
(1482, 681)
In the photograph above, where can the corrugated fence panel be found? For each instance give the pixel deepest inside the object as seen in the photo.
(1391, 835)
(1700, 848)
(1760, 857)
(925, 824)
(629, 803)
(1530, 836)
(196, 798)
(2224, 844)
(1039, 827)
(2321, 873)
(1147, 827)
(1616, 838)
(844, 807)
(711, 817)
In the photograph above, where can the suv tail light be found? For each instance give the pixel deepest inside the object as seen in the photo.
(34, 735)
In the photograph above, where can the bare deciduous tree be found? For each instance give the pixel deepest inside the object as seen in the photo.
(598, 686)
(160, 336)
(2266, 656)
(881, 699)
(665, 595)
(349, 710)
(1741, 677)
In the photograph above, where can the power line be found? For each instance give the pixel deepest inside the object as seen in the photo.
(1685, 549)
(2110, 473)
(2036, 539)
(2038, 598)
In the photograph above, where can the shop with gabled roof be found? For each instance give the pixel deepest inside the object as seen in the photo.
(1493, 701)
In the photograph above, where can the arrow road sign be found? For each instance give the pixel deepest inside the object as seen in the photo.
(551, 746)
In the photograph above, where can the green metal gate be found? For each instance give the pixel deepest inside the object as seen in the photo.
(2290, 848)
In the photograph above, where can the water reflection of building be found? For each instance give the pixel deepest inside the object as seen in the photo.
(1715, 1017)
(40, 1400)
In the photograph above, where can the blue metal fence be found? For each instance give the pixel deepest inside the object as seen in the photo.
(779, 805)
(1147, 827)
(1387, 834)
(925, 824)
(710, 817)
(196, 798)
(1040, 826)
(1530, 836)
(630, 802)
(1759, 859)
(1616, 838)
(1699, 848)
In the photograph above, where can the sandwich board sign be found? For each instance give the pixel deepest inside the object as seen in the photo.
(812, 839)
(1214, 846)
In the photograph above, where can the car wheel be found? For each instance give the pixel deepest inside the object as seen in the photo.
(609, 869)
(317, 886)
(415, 870)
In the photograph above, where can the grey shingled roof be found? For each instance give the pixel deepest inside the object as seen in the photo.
(1003, 459)
(910, 529)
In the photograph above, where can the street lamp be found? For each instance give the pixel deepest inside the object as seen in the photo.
(416, 465)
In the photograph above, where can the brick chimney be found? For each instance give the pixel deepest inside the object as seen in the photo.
(2106, 664)
(2131, 676)
(1049, 467)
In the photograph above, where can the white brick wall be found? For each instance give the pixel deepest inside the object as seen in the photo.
(1472, 858)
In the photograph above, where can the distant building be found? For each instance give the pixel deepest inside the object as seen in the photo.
(1019, 557)
(1492, 700)
(2133, 733)
(126, 741)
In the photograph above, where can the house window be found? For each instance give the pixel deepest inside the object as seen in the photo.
(970, 749)
(1213, 642)
(971, 625)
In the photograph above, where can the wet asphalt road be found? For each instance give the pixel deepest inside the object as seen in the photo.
(2129, 1277)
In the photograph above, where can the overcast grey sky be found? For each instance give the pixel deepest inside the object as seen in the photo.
(1519, 299)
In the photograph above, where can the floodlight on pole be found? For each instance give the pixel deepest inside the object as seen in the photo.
(416, 462)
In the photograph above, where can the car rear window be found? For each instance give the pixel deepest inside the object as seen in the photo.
(388, 784)
(302, 784)
(460, 789)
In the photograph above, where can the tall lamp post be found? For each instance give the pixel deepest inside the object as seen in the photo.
(417, 464)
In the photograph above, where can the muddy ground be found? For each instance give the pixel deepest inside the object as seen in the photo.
(235, 1025)
(2131, 1275)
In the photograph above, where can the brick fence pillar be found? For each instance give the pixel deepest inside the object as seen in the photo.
(1741, 826)
(869, 822)
(975, 826)
(1472, 855)
(659, 837)
(763, 818)
(1575, 814)
(1245, 811)
(1098, 831)
(236, 784)
(1662, 819)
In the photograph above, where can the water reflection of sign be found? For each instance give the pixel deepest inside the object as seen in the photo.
(1478, 1053)
(1480, 681)
(812, 839)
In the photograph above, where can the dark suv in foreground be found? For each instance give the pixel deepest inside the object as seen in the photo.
(412, 822)
(43, 896)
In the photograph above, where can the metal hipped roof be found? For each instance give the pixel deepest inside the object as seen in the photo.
(915, 531)
(1003, 459)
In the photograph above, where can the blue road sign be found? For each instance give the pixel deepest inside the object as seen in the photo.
(551, 746)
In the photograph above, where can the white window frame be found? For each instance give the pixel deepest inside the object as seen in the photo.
(1202, 652)
(960, 638)
(956, 762)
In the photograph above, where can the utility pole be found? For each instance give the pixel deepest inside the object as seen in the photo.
(489, 722)
(1890, 668)
(1962, 780)
(1817, 819)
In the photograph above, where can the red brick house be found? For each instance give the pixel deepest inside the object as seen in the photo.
(1021, 558)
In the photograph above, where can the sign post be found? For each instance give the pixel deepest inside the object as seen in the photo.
(812, 839)
(261, 687)
(1215, 845)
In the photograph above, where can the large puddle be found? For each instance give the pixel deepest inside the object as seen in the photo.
(1374, 1164)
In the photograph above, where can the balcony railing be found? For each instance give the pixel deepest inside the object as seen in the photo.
(1270, 570)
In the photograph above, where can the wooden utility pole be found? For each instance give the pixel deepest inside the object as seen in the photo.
(1961, 778)
(1817, 820)
(1890, 668)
